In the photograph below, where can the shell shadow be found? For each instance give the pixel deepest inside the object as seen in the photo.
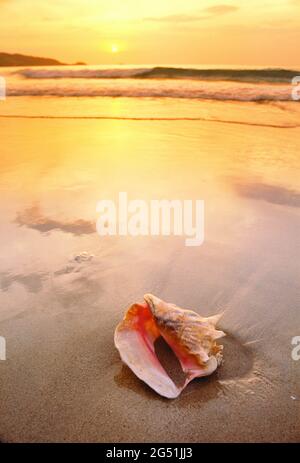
(238, 359)
(238, 362)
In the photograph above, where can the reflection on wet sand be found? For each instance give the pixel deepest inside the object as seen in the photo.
(33, 218)
(269, 193)
(33, 282)
(64, 380)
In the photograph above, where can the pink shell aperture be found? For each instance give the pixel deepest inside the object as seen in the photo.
(191, 337)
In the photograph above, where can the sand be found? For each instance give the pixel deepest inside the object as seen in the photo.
(63, 380)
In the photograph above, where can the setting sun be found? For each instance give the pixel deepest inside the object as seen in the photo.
(114, 49)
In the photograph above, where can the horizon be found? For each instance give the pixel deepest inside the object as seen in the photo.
(216, 66)
(140, 33)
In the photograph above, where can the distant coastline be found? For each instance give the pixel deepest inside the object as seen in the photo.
(16, 59)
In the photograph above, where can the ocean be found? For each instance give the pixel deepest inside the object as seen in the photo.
(152, 82)
(153, 93)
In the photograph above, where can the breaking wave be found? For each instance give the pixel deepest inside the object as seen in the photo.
(232, 93)
(271, 75)
(257, 85)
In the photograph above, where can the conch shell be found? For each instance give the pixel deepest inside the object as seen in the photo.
(191, 337)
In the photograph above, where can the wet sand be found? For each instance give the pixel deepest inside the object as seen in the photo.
(63, 379)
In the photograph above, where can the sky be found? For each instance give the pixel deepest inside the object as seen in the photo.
(232, 32)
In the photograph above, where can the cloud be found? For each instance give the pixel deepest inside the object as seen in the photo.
(217, 10)
(183, 18)
(206, 13)
(33, 218)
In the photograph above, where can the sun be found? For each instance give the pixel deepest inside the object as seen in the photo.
(114, 48)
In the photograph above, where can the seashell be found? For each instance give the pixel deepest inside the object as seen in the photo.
(191, 337)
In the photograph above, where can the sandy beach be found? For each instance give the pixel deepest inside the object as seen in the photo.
(63, 380)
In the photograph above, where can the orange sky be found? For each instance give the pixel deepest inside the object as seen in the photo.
(241, 32)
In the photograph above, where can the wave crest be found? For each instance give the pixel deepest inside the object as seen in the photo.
(160, 72)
